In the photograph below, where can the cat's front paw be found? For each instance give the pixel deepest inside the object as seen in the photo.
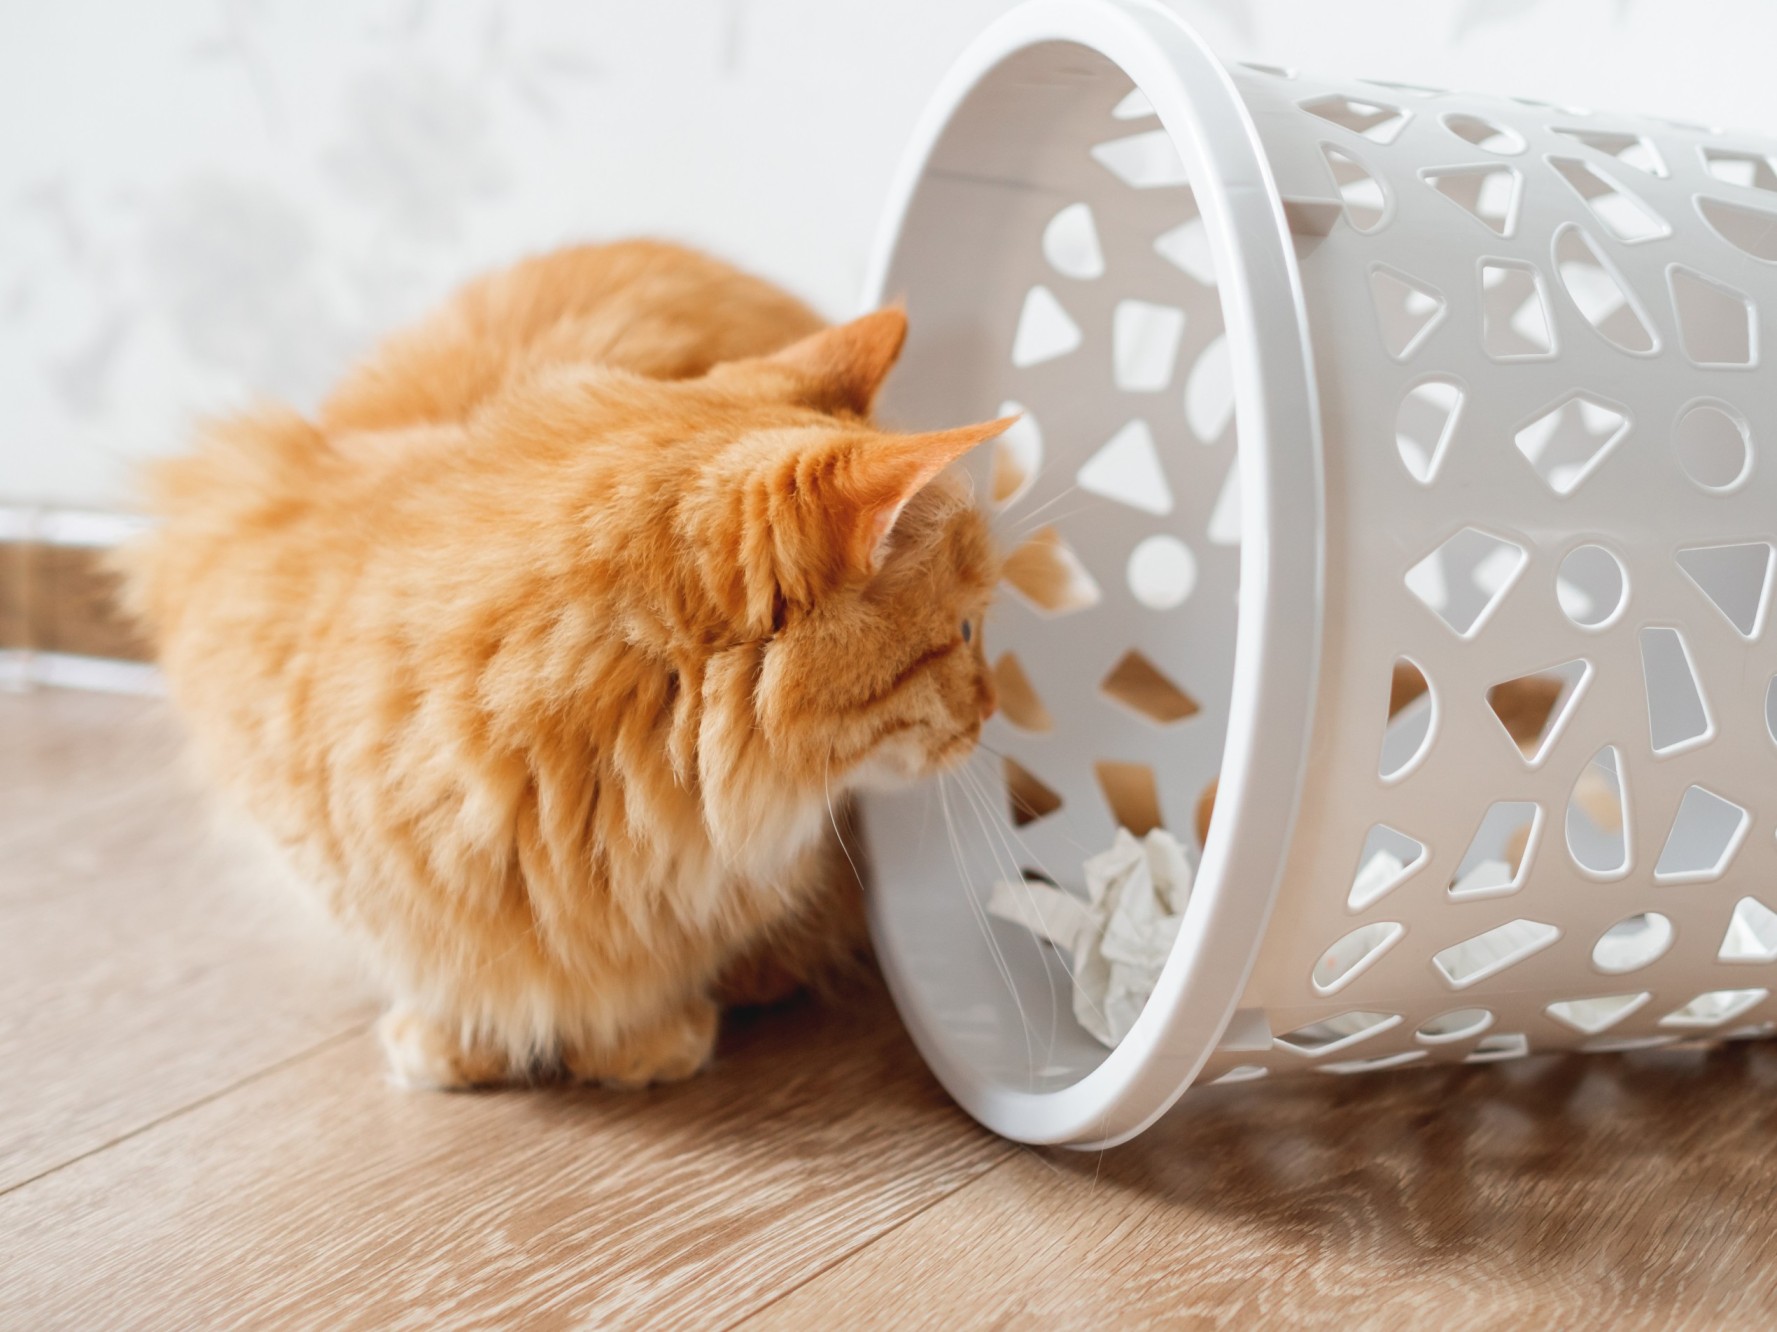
(424, 1056)
(668, 1051)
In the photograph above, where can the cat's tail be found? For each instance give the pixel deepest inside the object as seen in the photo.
(246, 476)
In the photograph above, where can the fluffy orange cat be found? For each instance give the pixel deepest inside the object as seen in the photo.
(550, 650)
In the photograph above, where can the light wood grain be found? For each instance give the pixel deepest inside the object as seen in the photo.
(1601, 1191)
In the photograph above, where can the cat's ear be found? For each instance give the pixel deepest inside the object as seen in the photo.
(892, 471)
(840, 369)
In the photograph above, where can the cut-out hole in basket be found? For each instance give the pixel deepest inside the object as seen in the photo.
(1622, 214)
(1047, 572)
(1748, 170)
(1499, 854)
(1340, 1032)
(1715, 322)
(1598, 816)
(1600, 293)
(1489, 194)
(1366, 202)
(1457, 1025)
(1771, 709)
(1145, 161)
(1209, 392)
(1162, 572)
(1485, 134)
(1144, 344)
(1134, 106)
(1489, 953)
(1751, 934)
(1070, 243)
(1130, 791)
(1677, 713)
(1736, 579)
(1500, 1046)
(1388, 860)
(1714, 445)
(1465, 579)
(1028, 797)
(1186, 248)
(1633, 943)
(1127, 469)
(1376, 121)
(1706, 832)
(1630, 149)
(1411, 722)
(1424, 425)
(1138, 685)
(1225, 519)
(1535, 708)
(1019, 700)
(1591, 1016)
(1752, 231)
(1515, 320)
(1375, 1064)
(1017, 454)
(1354, 954)
(1591, 586)
(1045, 329)
(1571, 440)
(1240, 1073)
(1714, 1007)
(1409, 310)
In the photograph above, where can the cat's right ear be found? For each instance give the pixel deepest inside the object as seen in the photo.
(839, 370)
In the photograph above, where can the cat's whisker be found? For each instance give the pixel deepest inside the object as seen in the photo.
(1056, 498)
(832, 818)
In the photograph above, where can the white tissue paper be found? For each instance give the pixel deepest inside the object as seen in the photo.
(1119, 937)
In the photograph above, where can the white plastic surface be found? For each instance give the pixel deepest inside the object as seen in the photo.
(1496, 410)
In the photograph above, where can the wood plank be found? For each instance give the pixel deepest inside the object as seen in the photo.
(145, 963)
(1585, 1191)
(320, 1196)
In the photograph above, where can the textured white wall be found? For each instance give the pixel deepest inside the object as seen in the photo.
(201, 200)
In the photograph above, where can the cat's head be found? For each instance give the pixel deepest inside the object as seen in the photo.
(865, 567)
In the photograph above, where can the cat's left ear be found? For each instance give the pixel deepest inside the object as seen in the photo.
(840, 369)
(894, 469)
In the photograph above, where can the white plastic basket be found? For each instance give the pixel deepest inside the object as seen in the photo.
(1494, 367)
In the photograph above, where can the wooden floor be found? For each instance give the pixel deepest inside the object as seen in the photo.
(195, 1132)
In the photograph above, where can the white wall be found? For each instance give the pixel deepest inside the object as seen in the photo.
(201, 200)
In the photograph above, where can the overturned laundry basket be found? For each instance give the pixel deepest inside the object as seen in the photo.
(1347, 405)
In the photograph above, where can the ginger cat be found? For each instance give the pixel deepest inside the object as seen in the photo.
(551, 649)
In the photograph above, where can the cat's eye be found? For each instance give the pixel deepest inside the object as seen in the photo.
(968, 631)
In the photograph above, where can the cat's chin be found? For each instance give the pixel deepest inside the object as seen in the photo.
(896, 767)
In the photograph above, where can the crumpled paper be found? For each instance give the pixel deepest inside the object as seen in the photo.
(1120, 936)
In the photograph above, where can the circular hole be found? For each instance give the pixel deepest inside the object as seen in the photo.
(1632, 943)
(1162, 572)
(1713, 446)
(1591, 586)
(1455, 1026)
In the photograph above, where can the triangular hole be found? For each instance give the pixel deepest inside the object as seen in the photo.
(1137, 684)
(1411, 713)
(1571, 440)
(1750, 230)
(1224, 519)
(1736, 579)
(1752, 933)
(1706, 832)
(1485, 134)
(1715, 321)
(1424, 425)
(1598, 816)
(1498, 857)
(1618, 211)
(1019, 699)
(1070, 243)
(1677, 713)
(1127, 470)
(1515, 320)
(1144, 161)
(1017, 454)
(1389, 859)
(1489, 194)
(1129, 789)
(1365, 202)
(1599, 292)
(1027, 796)
(1464, 579)
(1376, 121)
(1209, 392)
(1408, 310)
(1750, 171)
(1050, 576)
(1186, 248)
(1714, 1007)
(1591, 1016)
(1045, 330)
(1629, 149)
(1349, 958)
(1535, 708)
(1134, 106)
(1144, 345)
